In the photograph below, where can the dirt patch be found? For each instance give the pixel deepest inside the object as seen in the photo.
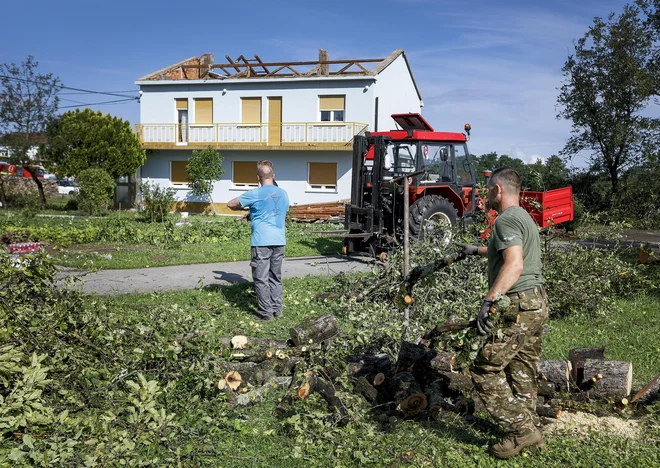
(84, 248)
(582, 423)
(158, 258)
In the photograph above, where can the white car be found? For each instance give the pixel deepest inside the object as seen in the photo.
(67, 187)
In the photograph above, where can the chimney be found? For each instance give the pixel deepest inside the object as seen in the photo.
(206, 59)
(324, 69)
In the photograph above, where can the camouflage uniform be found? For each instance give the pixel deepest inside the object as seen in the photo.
(504, 372)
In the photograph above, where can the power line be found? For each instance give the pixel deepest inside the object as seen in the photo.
(70, 88)
(99, 103)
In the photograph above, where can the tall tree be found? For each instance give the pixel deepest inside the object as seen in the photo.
(607, 83)
(80, 140)
(204, 168)
(28, 101)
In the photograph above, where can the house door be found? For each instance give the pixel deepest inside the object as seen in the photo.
(275, 121)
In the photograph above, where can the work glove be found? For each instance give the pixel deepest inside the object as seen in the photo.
(484, 327)
(468, 249)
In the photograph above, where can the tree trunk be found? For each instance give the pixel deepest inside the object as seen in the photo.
(577, 357)
(368, 391)
(368, 366)
(314, 330)
(3, 195)
(250, 342)
(409, 354)
(212, 204)
(407, 395)
(257, 395)
(40, 187)
(605, 379)
(456, 383)
(557, 373)
(649, 394)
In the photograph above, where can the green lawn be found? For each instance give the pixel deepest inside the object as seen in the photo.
(255, 437)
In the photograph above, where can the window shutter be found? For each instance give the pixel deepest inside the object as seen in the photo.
(181, 104)
(322, 173)
(251, 110)
(245, 172)
(179, 172)
(203, 111)
(332, 102)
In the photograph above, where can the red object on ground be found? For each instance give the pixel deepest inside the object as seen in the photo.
(552, 207)
(24, 247)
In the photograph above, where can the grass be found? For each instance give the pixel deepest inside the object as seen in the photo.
(255, 437)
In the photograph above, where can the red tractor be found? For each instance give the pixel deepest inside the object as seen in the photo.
(442, 186)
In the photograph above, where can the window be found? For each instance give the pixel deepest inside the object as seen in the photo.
(463, 174)
(182, 120)
(437, 161)
(204, 111)
(322, 177)
(332, 108)
(179, 173)
(404, 158)
(244, 174)
(251, 110)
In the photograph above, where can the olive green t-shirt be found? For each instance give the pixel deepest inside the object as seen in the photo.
(516, 227)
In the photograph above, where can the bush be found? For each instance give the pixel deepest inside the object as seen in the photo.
(96, 191)
(157, 199)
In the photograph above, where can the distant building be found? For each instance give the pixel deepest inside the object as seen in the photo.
(300, 115)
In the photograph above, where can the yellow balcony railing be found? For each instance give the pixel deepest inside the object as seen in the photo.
(238, 135)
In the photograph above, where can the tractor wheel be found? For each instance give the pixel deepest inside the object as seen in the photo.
(432, 214)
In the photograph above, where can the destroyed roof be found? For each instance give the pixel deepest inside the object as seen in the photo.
(204, 68)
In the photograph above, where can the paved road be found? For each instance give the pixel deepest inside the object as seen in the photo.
(172, 278)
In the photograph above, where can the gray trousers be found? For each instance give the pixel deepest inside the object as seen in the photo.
(266, 266)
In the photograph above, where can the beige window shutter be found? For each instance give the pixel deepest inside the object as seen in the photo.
(245, 172)
(332, 102)
(179, 172)
(204, 111)
(322, 173)
(250, 110)
(181, 104)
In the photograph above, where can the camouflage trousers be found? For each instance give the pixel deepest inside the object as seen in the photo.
(504, 372)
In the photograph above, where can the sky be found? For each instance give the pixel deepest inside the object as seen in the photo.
(494, 64)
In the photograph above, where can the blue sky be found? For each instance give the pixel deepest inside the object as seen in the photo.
(494, 64)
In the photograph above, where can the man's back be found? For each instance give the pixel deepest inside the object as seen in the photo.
(268, 207)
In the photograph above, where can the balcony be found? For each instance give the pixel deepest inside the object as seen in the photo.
(287, 136)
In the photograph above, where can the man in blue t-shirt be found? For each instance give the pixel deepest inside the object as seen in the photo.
(268, 206)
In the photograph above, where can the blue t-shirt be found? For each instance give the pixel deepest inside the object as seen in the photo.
(268, 206)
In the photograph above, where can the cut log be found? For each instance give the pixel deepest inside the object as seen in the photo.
(436, 399)
(234, 380)
(328, 392)
(548, 411)
(314, 330)
(577, 357)
(556, 372)
(239, 342)
(616, 378)
(407, 394)
(367, 390)
(379, 379)
(545, 388)
(649, 394)
(456, 383)
(253, 355)
(409, 354)
(367, 366)
(442, 361)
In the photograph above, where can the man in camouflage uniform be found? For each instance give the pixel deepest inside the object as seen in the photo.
(504, 373)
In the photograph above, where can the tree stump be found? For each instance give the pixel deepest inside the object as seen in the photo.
(648, 394)
(577, 357)
(556, 372)
(314, 330)
(608, 378)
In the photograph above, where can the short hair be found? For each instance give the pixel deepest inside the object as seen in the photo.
(265, 172)
(265, 162)
(508, 178)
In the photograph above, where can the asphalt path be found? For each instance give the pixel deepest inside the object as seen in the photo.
(183, 277)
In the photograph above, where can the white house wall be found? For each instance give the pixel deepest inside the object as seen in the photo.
(300, 99)
(396, 94)
(290, 172)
